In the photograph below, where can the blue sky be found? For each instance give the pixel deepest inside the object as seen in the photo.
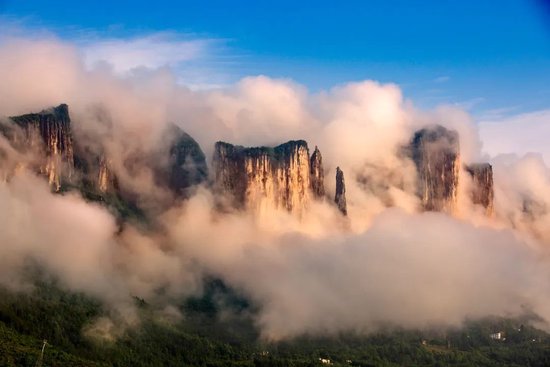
(491, 57)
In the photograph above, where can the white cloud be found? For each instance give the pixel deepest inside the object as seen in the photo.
(198, 62)
(150, 51)
(519, 134)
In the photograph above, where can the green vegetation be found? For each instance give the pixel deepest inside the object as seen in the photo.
(218, 330)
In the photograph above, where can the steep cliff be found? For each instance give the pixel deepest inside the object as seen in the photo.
(317, 174)
(435, 152)
(482, 190)
(82, 163)
(49, 133)
(264, 177)
(187, 166)
(340, 195)
(93, 170)
(106, 178)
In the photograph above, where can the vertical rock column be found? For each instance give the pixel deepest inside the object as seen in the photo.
(340, 196)
(436, 154)
(317, 174)
(482, 190)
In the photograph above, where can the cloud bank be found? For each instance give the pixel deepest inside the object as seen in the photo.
(386, 264)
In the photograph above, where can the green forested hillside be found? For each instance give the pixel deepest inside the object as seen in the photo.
(204, 338)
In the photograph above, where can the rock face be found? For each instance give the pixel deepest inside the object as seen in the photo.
(340, 195)
(317, 174)
(49, 132)
(187, 163)
(435, 152)
(93, 168)
(263, 177)
(283, 177)
(482, 191)
(48, 147)
(106, 179)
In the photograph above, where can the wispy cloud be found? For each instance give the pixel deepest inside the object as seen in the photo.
(442, 79)
(470, 103)
(497, 113)
(199, 62)
(150, 51)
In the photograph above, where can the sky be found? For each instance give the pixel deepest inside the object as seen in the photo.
(493, 60)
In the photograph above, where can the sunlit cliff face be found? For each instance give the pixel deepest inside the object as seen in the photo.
(51, 130)
(106, 180)
(263, 179)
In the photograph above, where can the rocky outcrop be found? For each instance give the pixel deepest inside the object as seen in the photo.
(482, 191)
(340, 195)
(43, 142)
(49, 133)
(284, 177)
(106, 178)
(94, 171)
(264, 177)
(187, 166)
(317, 174)
(436, 154)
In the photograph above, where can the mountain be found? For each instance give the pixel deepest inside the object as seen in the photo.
(187, 166)
(47, 133)
(70, 164)
(436, 154)
(265, 177)
(284, 177)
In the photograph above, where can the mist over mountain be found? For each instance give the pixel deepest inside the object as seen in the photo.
(136, 186)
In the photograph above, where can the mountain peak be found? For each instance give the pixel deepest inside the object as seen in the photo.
(436, 154)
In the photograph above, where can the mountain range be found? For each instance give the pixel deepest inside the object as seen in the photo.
(284, 177)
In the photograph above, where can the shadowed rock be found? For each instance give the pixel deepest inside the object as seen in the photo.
(317, 174)
(187, 166)
(340, 196)
(482, 190)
